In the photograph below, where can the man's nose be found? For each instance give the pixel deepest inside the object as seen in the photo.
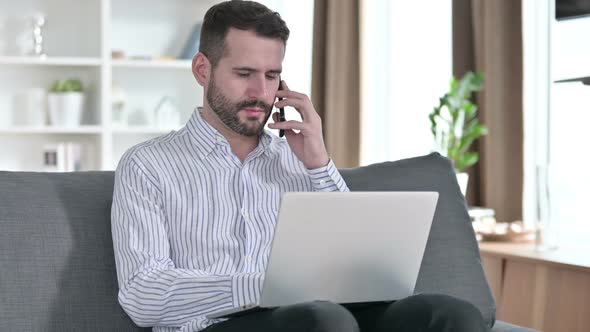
(257, 87)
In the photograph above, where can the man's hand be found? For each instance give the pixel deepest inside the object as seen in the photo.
(308, 144)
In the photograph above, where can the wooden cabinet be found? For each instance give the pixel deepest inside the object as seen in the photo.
(548, 291)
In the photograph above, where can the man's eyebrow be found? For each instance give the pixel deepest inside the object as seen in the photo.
(245, 69)
(250, 69)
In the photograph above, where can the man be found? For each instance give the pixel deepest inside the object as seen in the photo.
(194, 211)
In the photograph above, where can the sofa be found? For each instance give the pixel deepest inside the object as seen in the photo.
(57, 269)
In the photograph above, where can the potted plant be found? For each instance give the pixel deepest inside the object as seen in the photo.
(455, 126)
(65, 101)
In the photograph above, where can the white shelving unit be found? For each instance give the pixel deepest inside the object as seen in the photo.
(53, 61)
(79, 38)
(178, 64)
(24, 130)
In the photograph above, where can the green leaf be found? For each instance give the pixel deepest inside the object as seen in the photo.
(458, 114)
(63, 86)
(474, 133)
(466, 160)
(470, 111)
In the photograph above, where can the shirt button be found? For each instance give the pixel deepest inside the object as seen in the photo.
(245, 214)
(248, 259)
(322, 181)
(219, 138)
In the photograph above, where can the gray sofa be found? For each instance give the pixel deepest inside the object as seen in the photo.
(57, 271)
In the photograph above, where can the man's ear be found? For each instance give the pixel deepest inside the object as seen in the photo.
(201, 68)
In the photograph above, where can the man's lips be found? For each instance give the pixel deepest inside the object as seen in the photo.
(252, 111)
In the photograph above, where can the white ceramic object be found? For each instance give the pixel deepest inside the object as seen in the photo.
(167, 115)
(463, 180)
(118, 106)
(65, 109)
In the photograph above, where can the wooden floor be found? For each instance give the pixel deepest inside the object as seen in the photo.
(547, 291)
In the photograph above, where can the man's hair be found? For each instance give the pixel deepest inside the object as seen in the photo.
(243, 15)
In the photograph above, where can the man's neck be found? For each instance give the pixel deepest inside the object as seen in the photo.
(240, 145)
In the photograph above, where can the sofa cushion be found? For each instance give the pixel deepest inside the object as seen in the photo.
(451, 263)
(57, 271)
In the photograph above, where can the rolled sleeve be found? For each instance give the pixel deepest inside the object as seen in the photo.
(246, 288)
(327, 179)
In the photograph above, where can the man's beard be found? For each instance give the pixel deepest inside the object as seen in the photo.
(228, 112)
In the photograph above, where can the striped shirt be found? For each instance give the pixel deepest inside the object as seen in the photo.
(192, 225)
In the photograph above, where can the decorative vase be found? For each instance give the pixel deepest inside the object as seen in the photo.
(118, 106)
(65, 109)
(463, 180)
(167, 115)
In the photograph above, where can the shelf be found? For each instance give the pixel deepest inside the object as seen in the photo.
(142, 130)
(24, 130)
(178, 64)
(50, 61)
(90, 62)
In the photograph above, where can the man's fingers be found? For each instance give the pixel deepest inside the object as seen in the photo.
(288, 125)
(299, 101)
(285, 92)
(289, 132)
(290, 94)
(296, 103)
(304, 107)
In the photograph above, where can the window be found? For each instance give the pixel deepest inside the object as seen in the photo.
(556, 117)
(406, 64)
(568, 138)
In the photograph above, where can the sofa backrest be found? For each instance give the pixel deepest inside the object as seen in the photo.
(57, 270)
(451, 263)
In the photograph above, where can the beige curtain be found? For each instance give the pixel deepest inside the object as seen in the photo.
(487, 37)
(335, 77)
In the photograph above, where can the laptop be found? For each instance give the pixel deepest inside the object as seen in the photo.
(353, 247)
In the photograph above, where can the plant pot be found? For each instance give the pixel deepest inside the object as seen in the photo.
(65, 109)
(463, 180)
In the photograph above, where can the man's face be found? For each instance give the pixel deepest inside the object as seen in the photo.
(241, 90)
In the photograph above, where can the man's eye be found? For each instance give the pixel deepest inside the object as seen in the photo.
(243, 74)
(271, 77)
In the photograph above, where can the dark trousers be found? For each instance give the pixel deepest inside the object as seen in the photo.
(418, 313)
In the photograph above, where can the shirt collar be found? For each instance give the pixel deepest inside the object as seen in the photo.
(207, 138)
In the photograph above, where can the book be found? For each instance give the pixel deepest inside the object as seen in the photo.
(191, 47)
(65, 157)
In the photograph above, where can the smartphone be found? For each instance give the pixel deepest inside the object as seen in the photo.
(281, 110)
